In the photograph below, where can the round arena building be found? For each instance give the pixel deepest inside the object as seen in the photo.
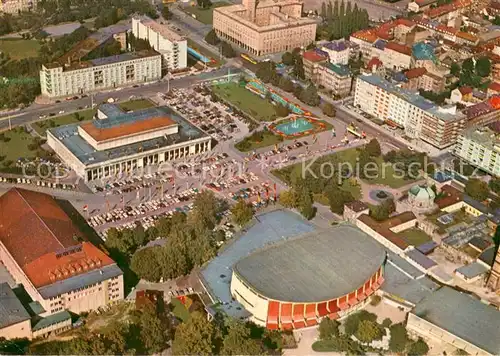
(297, 282)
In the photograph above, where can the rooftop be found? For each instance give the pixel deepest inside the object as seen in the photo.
(336, 46)
(11, 308)
(472, 270)
(339, 69)
(384, 227)
(403, 49)
(482, 134)
(442, 113)
(314, 56)
(357, 206)
(316, 267)
(86, 154)
(476, 322)
(415, 72)
(163, 30)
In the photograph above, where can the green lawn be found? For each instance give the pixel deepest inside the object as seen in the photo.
(16, 147)
(414, 236)
(248, 102)
(136, 105)
(180, 310)
(203, 15)
(258, 140)
(19, 48)
(42, 126)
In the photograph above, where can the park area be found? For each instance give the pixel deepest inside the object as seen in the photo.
(15, 144)
(18, 48)
(248, 102)
(41, 126)
(203, 15)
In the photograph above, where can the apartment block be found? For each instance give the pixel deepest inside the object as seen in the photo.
(168, 43)
(73, 78)
(338, 52)
(480, 146)
(420, 118)
(265, 27)
(335, 77)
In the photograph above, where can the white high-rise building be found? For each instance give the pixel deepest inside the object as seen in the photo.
(171, 45)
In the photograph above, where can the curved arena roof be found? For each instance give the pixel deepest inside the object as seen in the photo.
(316, 267)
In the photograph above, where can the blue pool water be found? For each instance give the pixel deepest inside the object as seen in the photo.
(198, 55)
(295, 126)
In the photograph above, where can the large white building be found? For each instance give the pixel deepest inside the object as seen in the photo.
(171, 45)
(420, 118)
(480, 146)
(116, 142)
(73, 78)
(16, 6)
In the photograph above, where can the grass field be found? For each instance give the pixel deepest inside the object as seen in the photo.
(16, 147)
(414, 236)
(251, 143)
(248, 102)
(19, 48)
(179, 310)
(203, 15)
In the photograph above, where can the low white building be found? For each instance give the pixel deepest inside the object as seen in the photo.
(73, 78)
(338, 52)
(117, 142)
(171, 45)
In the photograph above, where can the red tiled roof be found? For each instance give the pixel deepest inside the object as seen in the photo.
(313, 56)
(405, 22)
(36, 231)
(465, 90)
(399, 48)
(467, 36)
(449, 196)
(365, 35)
(374, 62)
(384, 227)
(494, 86)
(128, 129)
(415, 72)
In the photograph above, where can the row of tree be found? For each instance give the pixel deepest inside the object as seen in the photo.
(340, 19)
(225, 48)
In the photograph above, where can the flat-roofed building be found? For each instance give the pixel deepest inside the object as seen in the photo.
(73, 78)
(15, 321)
(15, 6)
(420, 118)
(117, 142)
(171, 45)
(265, 27)
(45, 252)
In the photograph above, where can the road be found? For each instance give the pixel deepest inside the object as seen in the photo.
(33, 112)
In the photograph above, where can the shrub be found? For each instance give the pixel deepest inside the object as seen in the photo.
(376, 299)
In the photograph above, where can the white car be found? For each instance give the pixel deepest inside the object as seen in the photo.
(61, 112)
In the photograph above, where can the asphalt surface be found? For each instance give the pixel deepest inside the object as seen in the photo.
(32, 113)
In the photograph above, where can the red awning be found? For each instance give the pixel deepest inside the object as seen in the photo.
(287, 326)
(299, 324)
(272, 326)
(311, 311)
(286, 313)
(368, 291)
(272, 312)
(298, 312)
(381, 280)
(360, 290)
(343, 306)
(361, 296)
(353, 301)
(333, 316)
(322, 310)
(332, 306)
(311, 322)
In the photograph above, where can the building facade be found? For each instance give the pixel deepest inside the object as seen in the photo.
(15, 6)
(171, 45)
(42, 250)
(335, 77)
(117, 142)
(264, 27)
(59, 79)
(419, 117)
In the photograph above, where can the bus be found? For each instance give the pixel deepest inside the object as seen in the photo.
(248, 58)
(353, 129)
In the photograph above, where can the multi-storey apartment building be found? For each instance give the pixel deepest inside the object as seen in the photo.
(419, 117)
(73, 78)
(16, 6)
(338, 52)
(44, 251)
(264, 27)
(480, 146)
(171, 45)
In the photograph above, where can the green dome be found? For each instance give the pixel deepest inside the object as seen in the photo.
(422, 192)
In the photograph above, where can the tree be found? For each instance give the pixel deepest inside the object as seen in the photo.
(298, 68)
(238, 340)
(281, 110)
(399, 338)
(227, 50)
(477, 189)
(329, 110)
(145, 264)
(455, 69)
(212, 38)
(353, 320)
(194, 337)
(382, 211)
(328, 329)
(468, 66)
(494, 185)
(154, 330)
(306, 207)
(165, 12)
(338, 198)
(242, 212)
(123, 240)
(483, 67)
(368, 331)
(289, 199)
(310, 95)
(373, 148)
(418, 348)
(207, 207)
(285, 84)
(287, 59)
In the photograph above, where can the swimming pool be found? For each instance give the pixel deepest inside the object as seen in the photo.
(295, 126)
